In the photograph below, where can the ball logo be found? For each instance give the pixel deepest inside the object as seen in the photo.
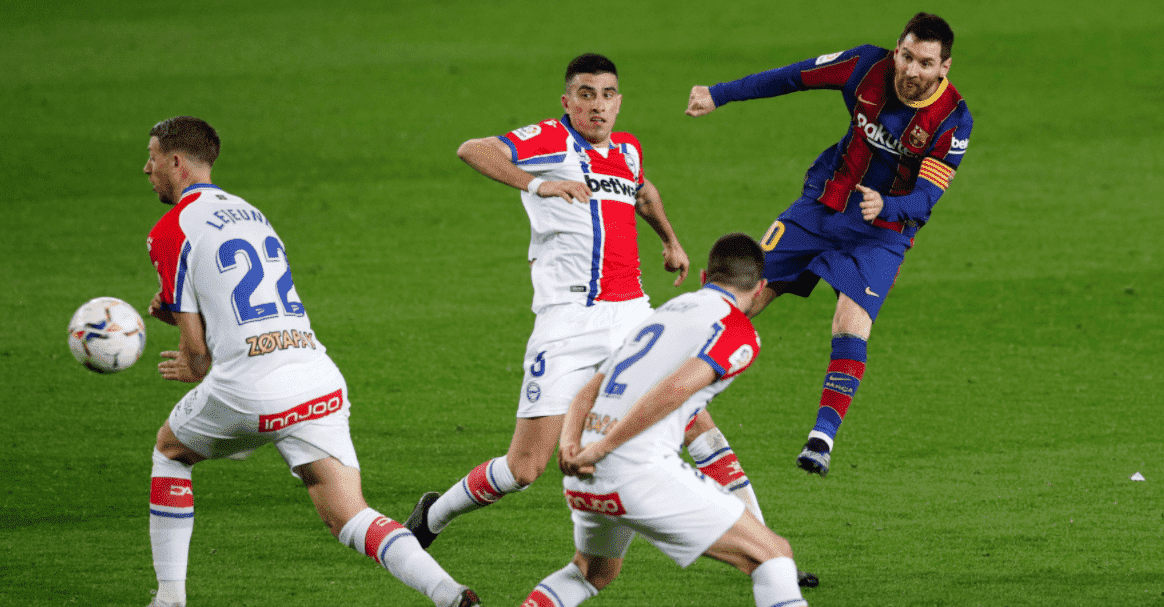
(312, 409)
(608, 503)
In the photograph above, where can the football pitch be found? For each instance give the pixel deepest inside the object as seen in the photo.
(1013, 383)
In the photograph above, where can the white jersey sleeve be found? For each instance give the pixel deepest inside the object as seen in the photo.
(218, 255)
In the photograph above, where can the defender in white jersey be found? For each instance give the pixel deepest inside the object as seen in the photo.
(581, 184)
(621, 439)
(265, 377)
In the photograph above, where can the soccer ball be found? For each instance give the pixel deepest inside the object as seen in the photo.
(107, 335)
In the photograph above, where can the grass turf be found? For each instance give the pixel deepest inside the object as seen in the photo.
(1012, 385)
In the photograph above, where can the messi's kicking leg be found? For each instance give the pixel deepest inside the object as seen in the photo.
(530, 450)
(852, 326)
(338, 497)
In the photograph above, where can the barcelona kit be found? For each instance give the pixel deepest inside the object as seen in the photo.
(906, 151)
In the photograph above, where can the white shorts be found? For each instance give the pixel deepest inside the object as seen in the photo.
(568, 344)
(304, 428)
(675, 507)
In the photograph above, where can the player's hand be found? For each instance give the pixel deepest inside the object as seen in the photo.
(872, 205)
(570, 190)
(177, 368)
(700, 102)
(160, 313)
(675, 260)
(566, 451)
(582, 463)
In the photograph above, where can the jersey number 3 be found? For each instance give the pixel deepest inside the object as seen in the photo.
(244, 311)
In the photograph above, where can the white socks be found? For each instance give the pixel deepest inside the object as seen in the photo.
(566, 587)
(171, 525)
(395, 548)
(484, 485)
(715, 458)
(774, 584)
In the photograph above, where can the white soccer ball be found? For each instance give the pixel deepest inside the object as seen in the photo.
(107, 335)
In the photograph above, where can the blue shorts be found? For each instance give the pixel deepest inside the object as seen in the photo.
(810, 241)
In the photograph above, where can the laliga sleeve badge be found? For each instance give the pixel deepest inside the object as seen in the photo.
(533, 391)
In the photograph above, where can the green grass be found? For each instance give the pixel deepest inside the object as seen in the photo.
(1013, 381)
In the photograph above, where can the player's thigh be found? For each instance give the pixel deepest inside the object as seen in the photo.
(678, 510)
(532, 446)
(747, 544)
(215, 425)
(789, 249)
(865, 273)
(568, 343)
(600, 535)
(335, 490)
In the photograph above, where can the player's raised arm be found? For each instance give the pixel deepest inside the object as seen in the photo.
(667, 396)
(700, 102)
(650, 207)
(490, 157)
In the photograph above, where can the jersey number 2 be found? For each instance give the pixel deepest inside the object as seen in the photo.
(227, 260)
(613, 388)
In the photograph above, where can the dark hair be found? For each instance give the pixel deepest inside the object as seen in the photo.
(589, 63)
(930, 28)
(189, 135)
(735, 261)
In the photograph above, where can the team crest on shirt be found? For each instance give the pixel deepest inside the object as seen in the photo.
(533, 392)
(631, 164)
(918, 137)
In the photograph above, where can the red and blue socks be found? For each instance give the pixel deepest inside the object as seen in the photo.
(715, 458)
(394, 547)
(846, 368)
(171, 525)
(486, 484)
(566, 587)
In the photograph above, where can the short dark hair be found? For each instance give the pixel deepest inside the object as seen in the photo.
(590, 63)
(930, 28)
(735, 261)
(189, 135)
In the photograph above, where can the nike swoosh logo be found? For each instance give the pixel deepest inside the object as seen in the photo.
(869, 291)
(863, 100)
(839, 378)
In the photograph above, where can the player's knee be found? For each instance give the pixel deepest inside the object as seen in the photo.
(525, 469)
(599, 571)
(526, 475)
